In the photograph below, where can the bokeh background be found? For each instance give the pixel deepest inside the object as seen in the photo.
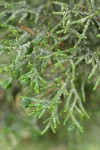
(19, 131)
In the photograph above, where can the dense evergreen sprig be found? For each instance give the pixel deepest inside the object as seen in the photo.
(54, 49)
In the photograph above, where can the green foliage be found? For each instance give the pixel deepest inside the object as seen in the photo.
(52, 48)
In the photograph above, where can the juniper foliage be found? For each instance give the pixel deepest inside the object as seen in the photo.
(52, 48)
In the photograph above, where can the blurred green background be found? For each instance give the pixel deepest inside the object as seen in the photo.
(18, 131)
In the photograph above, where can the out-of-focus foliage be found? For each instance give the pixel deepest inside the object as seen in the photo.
(53, 49)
